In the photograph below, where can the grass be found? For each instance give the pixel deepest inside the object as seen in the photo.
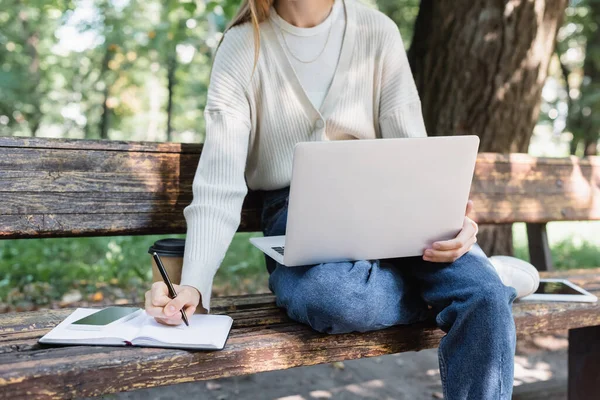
(40, 271)
(573, 244)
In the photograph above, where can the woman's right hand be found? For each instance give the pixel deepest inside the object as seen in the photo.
(166, 310)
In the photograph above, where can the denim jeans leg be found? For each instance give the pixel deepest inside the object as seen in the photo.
(474, 308)
(339, 297)
(344, 297)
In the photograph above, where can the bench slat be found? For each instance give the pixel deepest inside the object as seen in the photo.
(105, 145)
(51, 187)
(30, 370)
(522, 188)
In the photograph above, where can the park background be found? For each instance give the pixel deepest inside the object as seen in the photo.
(139, 70)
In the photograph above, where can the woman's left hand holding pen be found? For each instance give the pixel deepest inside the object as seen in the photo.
(166, 310)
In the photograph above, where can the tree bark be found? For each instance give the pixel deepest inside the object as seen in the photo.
(105, 120)
(171, 69)
(480, 67)
(591, 71)
(105, 117)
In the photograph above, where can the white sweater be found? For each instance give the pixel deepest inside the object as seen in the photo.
(254, 120)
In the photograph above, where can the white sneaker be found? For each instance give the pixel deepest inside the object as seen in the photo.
(517, 273)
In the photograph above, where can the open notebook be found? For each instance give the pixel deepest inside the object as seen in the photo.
(206, 332)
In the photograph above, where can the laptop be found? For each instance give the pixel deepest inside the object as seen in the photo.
(373, 199)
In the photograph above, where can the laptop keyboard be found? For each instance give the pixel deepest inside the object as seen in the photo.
(280, 250)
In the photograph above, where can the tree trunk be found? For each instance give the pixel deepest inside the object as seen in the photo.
(171, 69)
(591, 71)
(105, 117)
(480, 67)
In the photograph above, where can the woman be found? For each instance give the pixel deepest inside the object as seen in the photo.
(293, 71)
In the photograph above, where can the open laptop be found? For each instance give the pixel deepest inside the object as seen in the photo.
(372, 199)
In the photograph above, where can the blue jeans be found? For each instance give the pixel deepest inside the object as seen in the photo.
(471, 305)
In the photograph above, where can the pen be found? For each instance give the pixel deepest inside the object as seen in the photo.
(172, 293)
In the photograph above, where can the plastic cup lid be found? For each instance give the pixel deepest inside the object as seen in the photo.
(168, 247)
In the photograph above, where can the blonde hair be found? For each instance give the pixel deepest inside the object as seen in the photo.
(255, 11)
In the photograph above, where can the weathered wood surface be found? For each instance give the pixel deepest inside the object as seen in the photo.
(263, 339)
(104, 145)
(522, 188)
(51, 188)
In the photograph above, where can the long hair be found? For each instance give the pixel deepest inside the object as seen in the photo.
(255, 11)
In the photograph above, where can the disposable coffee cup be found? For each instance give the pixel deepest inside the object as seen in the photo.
(170, 252)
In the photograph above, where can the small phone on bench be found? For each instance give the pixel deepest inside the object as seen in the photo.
(105, 317)
(560, 290)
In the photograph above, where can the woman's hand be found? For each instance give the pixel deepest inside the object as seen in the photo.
(166, 310)
(451, 250)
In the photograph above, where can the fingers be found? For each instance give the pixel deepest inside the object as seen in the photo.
(159, 294)
(166, 310)
(151, 309)
(450, 255)
(468, 230)
(451, 250)
(183, 299)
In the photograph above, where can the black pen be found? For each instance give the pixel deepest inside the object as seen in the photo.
(172, 293)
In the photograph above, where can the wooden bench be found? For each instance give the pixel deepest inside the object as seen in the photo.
(69, 188)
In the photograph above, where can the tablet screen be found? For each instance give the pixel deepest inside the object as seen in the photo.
(556, 288)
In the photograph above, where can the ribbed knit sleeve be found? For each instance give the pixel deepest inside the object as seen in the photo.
(219, 186)
(405, 121)
(400, 113)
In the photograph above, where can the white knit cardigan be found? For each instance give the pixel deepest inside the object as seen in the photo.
(254, 117)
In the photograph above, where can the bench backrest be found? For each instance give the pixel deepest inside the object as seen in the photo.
(58, 187)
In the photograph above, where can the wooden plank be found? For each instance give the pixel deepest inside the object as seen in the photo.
(102, 224)
(57, 180)
(584, 363)
(63, 372)
(57, 161)
(521, 188)
(27, 203)
(106, 145)
(539, 247)
(28, 370)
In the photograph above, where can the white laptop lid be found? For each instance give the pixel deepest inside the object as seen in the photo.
(372, 199)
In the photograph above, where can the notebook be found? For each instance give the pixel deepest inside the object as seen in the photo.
(206, 332)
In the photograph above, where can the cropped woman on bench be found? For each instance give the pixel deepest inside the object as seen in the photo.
(293, 71)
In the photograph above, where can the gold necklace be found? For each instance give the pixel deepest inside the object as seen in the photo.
(322, 50)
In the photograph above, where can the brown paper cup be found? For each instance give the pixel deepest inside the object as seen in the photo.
(173, 266)
(170, 252)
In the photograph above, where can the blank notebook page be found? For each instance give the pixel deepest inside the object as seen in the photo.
(203, 329)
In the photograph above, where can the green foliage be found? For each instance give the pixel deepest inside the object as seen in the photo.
(45, 269)
(106, 69)
(574, 103)
(26, 60)
(404, 13)
(567, 255)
